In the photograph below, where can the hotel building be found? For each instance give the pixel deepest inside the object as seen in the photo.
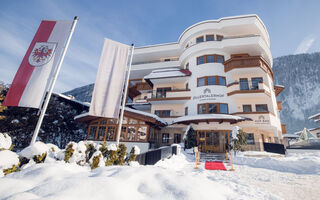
(218, 75)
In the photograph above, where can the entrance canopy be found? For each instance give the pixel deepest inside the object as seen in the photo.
(209, 118)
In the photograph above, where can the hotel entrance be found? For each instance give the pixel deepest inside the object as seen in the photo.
(213, 141)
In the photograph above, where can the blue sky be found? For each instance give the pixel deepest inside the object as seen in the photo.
(293, 26)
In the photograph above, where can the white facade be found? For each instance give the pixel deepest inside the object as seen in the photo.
(243, 44)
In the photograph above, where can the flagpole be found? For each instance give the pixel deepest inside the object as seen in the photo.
(124, 97)
(48, 96)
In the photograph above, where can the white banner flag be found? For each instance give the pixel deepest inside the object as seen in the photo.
(108, 88)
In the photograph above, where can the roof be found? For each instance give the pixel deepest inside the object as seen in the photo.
(315, 117)
(85, 117)
(168, 73)
(278, 89)
(72, 99)
(208, 118)
(289, 135)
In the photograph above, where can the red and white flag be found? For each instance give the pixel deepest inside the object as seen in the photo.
(108, 88)
(39, 63)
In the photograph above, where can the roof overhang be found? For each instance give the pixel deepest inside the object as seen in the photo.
(221, 118)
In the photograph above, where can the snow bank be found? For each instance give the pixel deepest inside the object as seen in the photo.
(299, 163)
(38, 148)
(5, 141)
(8, 159)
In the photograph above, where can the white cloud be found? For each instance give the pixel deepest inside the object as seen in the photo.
(305, 44)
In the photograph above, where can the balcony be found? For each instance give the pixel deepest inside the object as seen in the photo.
(283, 128)
(279, 104)
(172, 96)
(234, 64)
(248, 87)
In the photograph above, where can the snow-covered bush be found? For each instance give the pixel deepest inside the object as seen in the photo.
(37, 151)
(9, 162)
(53, 150)
(90, 150)
(96, 160)
(135, 150)
(75, 153)
(5, 141)
(122, 152)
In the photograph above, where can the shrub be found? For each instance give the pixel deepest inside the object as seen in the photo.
(14, 168)
(240, 141)
(90, 151)
(132, 155)
(112, 157)
(95, 161)
(191, 139)
(40, 158)
(68, 152)
(122, 151)
(104, 149)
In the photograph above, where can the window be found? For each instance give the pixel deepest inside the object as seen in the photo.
(212, 108)
(244, 84)
(142, 133)
(187, 86)
(209, 37)
(187, 66)
(177, 138)
(165, 138)
(211, 80)
(131, 130)
(224, 108)
(199, 39)
(210, 59)
(201, 82)
(246, 108)
(221, 80)
(255, 83)
(162, 92)
(219, 37)
(250, 138)
(186, 111)
(219, 59)
(111, 132)
(101, 132)
(209, 108)
(200, 60)
(92, 132)
(162, 113)
(318, 135)
(261, 108)
(276, 140)
(202, 109)
(167, 59)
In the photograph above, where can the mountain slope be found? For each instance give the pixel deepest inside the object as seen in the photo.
(300, 74)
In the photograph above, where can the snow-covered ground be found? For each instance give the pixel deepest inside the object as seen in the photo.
(174, 178)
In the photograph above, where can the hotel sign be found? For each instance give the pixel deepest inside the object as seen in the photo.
(262, 120)
(208, 95)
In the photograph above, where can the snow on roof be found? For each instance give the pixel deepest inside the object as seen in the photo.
(130, 110)
(279, 86)
(167, 73)
(315, 116)
(289, 135)
(71, 99)
(207, 117)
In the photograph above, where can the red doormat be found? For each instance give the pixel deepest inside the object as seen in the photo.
(214, 165)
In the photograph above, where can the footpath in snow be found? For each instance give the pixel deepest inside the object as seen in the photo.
(292, 177)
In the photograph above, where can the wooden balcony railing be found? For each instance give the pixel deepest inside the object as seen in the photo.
(247, 62)
(279, 104)
(283, 128)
